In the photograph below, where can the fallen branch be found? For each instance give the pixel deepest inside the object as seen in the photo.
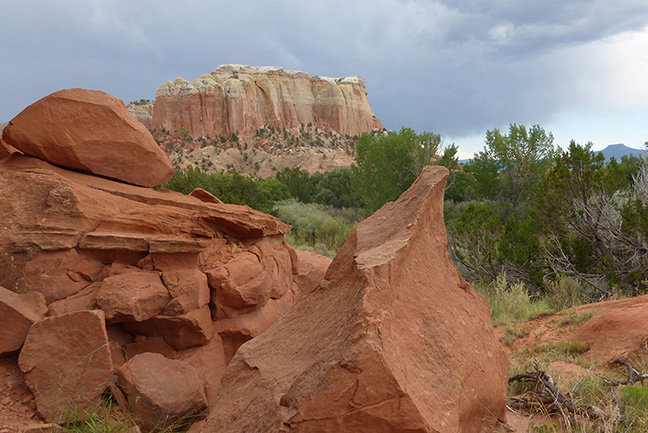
(634, 376)
(549, 397)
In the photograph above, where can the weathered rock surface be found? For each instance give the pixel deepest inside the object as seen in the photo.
(205, 196)
(310, 269)
(17, 406)
(92, 131)
(209, 361)
(84, 242)
(161, 390)
(181, 332)
(187, 285)
(142, 111)
(242, 99)
(17, 314)
(5, 149)
(85, 299)
(608, 330)
(251, 277)
(66, 361)
(618, 329)
(58, 227)
(152, 345)
(133, 296)
(392, 340)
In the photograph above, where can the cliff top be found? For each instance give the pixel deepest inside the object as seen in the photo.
(222, 72)
(278, 70)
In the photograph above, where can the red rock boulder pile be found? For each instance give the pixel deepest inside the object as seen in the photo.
(392, 340)
(97, 272)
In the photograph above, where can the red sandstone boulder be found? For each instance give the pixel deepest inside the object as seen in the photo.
(86, 299)
(188, 289)
(17, 314)
(70, 236)
(181, 332)
(186, 284)
(251, 277)
(58, 227)
(209, 361)
(240, 283)
(205, 196)
(92, 131)
(67, 364)
(96, 229)
(392, 340)
(161, 390)
(134, 296)
(309, 270)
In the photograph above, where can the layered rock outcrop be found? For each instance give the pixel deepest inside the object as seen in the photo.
(142, 256)
(242, 99)
(392, 340)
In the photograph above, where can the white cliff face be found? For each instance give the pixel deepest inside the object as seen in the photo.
(241, 99)
(142, 111)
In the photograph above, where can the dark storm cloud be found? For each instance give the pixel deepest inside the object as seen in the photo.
(455, 67)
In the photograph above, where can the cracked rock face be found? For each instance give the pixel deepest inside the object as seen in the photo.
(393, 340)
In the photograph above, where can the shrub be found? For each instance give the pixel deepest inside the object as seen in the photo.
(511, 302)
(316, 227)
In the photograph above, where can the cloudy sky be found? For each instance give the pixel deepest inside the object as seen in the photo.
(579, 68)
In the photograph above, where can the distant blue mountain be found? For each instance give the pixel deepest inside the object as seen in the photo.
(620, 149)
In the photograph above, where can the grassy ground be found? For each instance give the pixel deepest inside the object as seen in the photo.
(621, 408)
(603, 407)
(108, 418)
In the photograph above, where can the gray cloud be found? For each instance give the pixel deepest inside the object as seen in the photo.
(455, 67)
